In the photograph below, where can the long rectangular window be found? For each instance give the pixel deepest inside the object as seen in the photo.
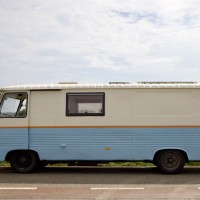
(86, 104)
(14, 105)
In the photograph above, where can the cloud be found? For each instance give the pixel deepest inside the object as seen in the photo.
(46, 41)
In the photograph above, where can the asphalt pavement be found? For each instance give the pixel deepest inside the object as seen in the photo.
(100, 183)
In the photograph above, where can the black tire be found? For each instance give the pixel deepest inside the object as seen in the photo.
(170, 161)
(24, 161)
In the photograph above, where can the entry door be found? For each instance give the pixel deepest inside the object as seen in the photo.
(14, 121)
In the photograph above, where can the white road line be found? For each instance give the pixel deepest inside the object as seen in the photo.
(117, 188)
(198, 188)
(18, 188)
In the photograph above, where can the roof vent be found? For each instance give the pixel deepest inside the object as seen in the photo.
(68, 82)
(119, 83)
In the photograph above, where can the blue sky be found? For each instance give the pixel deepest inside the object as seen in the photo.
(99, 41)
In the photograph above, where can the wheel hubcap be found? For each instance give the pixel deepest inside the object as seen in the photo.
(171, 160)
(23, 160)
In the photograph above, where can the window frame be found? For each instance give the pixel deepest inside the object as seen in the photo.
(102, 94)
(10, 117)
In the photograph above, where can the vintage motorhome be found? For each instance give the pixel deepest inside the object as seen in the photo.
(79, 123)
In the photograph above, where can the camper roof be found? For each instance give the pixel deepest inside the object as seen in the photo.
(75, 85)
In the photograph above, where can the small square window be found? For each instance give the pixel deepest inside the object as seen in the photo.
(85, 104)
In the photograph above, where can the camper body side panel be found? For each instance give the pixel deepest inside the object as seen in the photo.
(137, 124)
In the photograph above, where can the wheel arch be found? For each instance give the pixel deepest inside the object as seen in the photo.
(169, 149)
(10, 153)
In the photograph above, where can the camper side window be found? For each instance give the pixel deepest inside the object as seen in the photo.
(85, 104)
(13, 105)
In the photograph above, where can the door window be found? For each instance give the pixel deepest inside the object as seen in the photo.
(14, 105)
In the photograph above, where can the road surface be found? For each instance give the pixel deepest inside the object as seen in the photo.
(100, 183)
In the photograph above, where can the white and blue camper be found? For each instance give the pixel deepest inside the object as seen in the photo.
(79, 123)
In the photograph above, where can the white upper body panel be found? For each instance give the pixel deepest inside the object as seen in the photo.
(137, 104)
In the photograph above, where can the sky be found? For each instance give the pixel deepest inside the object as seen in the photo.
(99, 41)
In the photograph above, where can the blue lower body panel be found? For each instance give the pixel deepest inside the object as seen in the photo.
(112, 144)
(100, 144)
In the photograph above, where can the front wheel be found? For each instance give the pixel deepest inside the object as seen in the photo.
(170, 161)
(23, 161)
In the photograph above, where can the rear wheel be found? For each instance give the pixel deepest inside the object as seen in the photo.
(170, 161)
(23, 161)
